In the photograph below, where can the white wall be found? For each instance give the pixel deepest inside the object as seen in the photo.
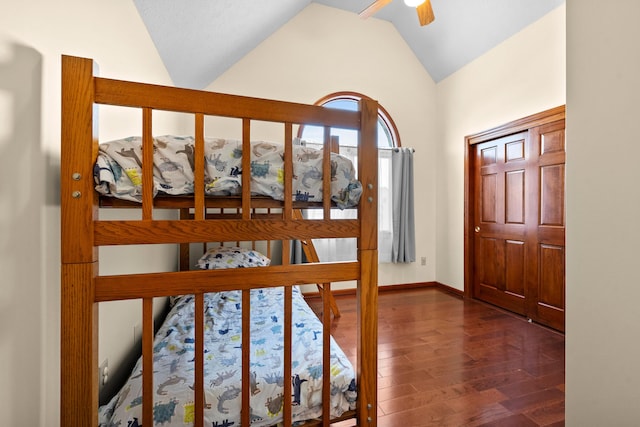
(304, 61)
(603, 207)
(33, 35)
(522, 76)
(324, 50)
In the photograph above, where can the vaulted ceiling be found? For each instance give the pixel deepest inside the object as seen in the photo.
(198, 40)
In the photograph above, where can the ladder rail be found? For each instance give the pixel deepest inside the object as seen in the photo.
(312, 256)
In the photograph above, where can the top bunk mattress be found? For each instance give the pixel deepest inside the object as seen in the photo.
(118, 170)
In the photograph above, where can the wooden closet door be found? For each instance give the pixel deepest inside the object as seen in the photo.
(546, 241)
(500, 228)
(518, 199)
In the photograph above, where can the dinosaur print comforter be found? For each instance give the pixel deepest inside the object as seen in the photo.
(118, 170)
(174, 366)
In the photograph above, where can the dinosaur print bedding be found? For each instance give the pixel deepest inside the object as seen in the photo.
(174, 365)
(118, 170)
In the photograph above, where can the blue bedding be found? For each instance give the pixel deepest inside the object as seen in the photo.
(174, 365)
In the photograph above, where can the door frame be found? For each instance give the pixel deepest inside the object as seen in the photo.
(519, 125)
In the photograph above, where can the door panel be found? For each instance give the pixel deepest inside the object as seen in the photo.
(547, 300)
(488, 155)
(487, 270)
(515, 150)
(514, 209)
(551, 275)
(552, 195)
(552, 141)
(499, 236)
(489, 192)
(516, 229)
(550, 304)
(515, 267)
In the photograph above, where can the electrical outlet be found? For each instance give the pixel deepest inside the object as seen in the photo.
(103, 372)
(423, 260)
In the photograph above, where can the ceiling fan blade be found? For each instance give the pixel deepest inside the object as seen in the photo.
(425, 13)
(373, 8)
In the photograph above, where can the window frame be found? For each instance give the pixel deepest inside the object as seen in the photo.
(394, 137)
(383, 114)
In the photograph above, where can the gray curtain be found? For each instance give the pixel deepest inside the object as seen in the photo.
(404, 242)
(297, 254)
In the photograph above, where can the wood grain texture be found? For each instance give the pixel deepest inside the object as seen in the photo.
(79, 150)
(175, 231)
(547, 247)
(367, 329)
(246, 357)
(83, 232)
(132, 94)
(326, 355)
(199, 360)
(425, 13)
(368, 175)
(246, 166)
(199, 166)
(519, 125)
(79, 312)
(78, 346)
(449, 361)
(288, 358)
(147, 164)
(310, 253)
(147, 361)
(514, 216)
(132, 286)
(288, 171)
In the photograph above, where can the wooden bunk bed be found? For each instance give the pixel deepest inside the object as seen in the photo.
(83, 232)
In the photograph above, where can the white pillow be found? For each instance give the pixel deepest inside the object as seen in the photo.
(231, 257)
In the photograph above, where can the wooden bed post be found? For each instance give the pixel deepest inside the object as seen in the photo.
(82, 233)
(79, 311)
(367, 293)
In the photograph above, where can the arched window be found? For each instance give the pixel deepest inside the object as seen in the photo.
(387, 132)
(388, 138)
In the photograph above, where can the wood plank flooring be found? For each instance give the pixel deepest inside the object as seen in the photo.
(445, 361)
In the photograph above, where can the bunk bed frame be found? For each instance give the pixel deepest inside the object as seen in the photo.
(83, 232)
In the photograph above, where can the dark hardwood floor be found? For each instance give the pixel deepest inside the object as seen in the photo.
(445, 361)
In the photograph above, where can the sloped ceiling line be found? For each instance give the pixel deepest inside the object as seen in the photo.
(198, 40)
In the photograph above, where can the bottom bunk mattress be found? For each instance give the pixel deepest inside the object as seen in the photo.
(174, 365)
